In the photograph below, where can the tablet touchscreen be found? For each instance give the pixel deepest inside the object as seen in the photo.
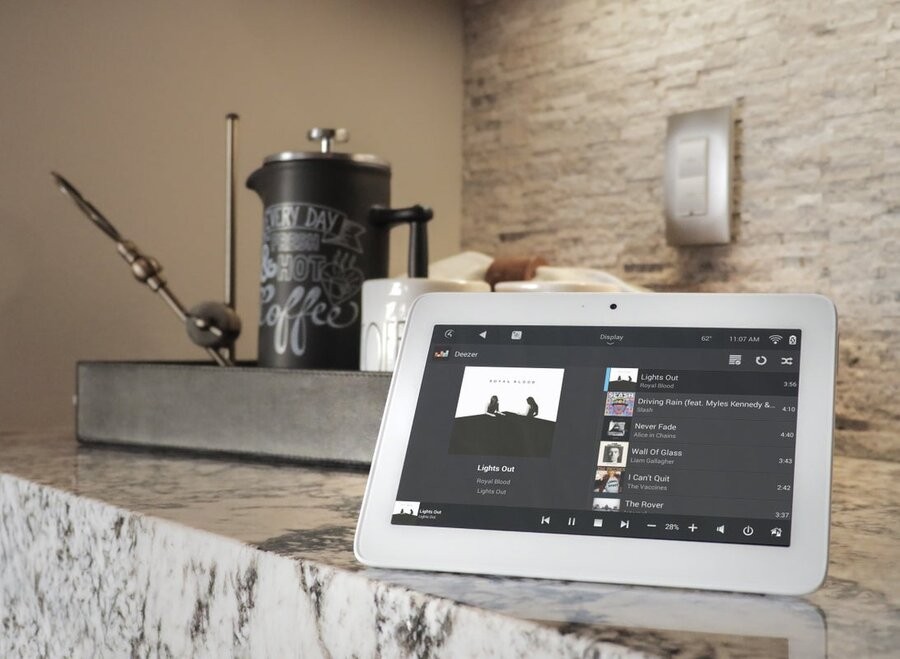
(644, 432)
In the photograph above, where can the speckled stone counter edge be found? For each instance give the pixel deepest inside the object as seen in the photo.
(82, 578)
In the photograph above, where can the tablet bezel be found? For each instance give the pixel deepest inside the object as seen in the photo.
(797, 569)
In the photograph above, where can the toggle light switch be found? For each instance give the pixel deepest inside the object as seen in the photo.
(690, 197)
(692, 158)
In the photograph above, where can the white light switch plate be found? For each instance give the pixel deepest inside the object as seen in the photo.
(699, 163)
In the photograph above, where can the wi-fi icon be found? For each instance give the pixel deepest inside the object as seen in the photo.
(775, 338)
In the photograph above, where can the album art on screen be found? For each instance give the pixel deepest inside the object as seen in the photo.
(613, 454)
(606, 505)
(619, 403)
(608, 481)
(405, 512)
(621, 379)
(616, 427)
(506, 411)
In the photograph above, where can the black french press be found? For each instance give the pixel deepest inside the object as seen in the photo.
(326, 223)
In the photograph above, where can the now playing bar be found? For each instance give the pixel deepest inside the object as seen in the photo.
(614, 524)
(668, 527)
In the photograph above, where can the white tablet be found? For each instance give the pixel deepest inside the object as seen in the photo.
(659, 439)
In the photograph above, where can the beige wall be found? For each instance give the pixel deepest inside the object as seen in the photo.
(566, 106)
(128, 99)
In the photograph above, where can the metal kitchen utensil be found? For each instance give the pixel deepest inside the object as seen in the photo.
(231, 120)
(214, 326)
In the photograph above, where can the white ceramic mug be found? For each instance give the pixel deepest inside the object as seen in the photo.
(550, 286)
(385, 307)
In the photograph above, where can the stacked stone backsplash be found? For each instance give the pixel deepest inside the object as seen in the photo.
(564, 126)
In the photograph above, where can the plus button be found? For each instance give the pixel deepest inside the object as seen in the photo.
(693, 527)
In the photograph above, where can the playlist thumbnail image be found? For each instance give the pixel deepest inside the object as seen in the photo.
(613, 454)
(506, 411)
(616, 428)
(606, 505)
(619, 403)
(405, 512)
(621, 379)
(608, 481)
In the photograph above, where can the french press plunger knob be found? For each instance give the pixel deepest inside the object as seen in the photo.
(325, 136)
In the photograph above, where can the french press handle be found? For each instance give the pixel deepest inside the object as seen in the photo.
(417, 218)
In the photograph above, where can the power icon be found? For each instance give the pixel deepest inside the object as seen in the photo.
(748, 530)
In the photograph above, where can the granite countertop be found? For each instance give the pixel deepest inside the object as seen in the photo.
(110, 552)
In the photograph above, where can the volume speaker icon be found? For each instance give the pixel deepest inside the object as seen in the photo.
(775, 338)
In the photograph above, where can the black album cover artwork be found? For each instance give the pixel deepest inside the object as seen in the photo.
(615, 428)
(506, 411)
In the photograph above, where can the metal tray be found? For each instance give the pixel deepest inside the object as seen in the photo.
(329, 417)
